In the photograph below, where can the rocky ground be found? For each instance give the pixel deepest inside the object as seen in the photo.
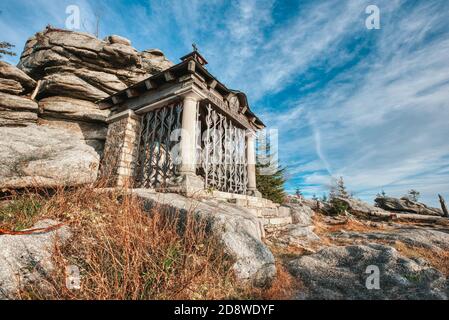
(354, 255)
(331, 257)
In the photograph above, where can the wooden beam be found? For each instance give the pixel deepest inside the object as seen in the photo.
(169, 76)
(132, 93)
(212, 84)
(191, 66)
(104, 105)
(116, 100)
(36, 90)
(150, 84)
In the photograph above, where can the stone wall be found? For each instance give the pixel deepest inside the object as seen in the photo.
(121, 151)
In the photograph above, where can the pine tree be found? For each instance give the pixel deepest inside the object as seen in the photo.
(382, 194)
(324, 198)
(269, 174)
(5, 49)
(341, 189)
(337, 192)
(413, 195)
(298, 193)
(272, 185)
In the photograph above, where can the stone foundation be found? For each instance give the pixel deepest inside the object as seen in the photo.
(121, 150)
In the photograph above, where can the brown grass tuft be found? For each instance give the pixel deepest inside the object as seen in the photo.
(283, 287)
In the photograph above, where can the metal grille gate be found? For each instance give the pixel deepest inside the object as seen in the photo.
(223, 161)
(156, 166)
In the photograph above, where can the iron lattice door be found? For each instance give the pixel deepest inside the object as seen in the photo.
(223, 161)
(157, 166)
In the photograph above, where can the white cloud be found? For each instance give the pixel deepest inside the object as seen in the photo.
(384, 122)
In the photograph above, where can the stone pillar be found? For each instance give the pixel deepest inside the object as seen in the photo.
(121, 149)
(191, 183)
(188, 134)
(251, 157)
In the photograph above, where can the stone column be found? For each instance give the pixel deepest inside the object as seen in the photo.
(188, 134)
(251, 157)
(191, 183)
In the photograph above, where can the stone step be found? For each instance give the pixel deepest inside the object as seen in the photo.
(253, 203)
(277, 221)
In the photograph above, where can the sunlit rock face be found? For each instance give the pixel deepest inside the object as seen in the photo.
(60, 76)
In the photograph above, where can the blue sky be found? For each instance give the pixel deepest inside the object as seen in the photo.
(369, 105)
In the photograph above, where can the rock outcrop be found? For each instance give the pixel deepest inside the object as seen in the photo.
(60, 76)
(238, 229)
(43, 156)
(361, 208)
(427, 238)
(16, 108)
(301, 213)
(14, 81)
(25, 259)
(79, 65)
(405, 205)
(340, 273)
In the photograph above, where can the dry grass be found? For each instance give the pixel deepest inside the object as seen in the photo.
(283, 287)
(18, 212)
(124, 252)
(437, 258)
(347, 224)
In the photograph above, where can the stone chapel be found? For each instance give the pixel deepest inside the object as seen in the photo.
(181, 130)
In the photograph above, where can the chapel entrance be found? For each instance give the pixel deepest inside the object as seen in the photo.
(157, 165)
(223, 162)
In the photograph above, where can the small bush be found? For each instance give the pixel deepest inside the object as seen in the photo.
(337, 207)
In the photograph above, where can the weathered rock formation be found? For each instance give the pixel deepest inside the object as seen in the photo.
(79, 65)
(25, 259)
(16, 108)
(60, 76)
(423, 237)
(301, 213)
(405, 205)
(238, 229)
(14, 81)
(336, 273)
(44, 156)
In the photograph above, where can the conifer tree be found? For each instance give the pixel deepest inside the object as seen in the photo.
(5, 49)
(271, 185)
(269, 174)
